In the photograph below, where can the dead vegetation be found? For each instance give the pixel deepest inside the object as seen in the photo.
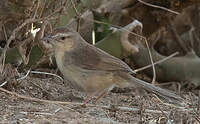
(29, 95)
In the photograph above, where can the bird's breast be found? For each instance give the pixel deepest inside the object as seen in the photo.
(70, 72)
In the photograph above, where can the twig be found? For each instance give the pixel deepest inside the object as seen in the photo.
(141, 112)
(159, 7)
(18, 79)
(62, 8)
(36, 10)
(21, 78)
(42, 9)
(117, 27)
(164, 113)
(74, 6)
(4, 31)
(191, 36)
(36, 113)
(131, 109)
(167, 104)
(57, 110)
(198, 108)
(132, 26)
(196, 38)
(4, 83)
(157, 62)
(177, 37)
(195, 112)
(6, 38)
(36, 99)
(77, 14)
(34, 72)
(152, 63)
(46, 73)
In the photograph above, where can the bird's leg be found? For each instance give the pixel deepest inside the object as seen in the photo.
(89, 97)
(103, 93)
(100, 96)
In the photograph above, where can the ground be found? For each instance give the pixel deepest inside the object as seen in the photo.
(118, 106)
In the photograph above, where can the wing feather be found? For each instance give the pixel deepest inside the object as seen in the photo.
(91, 58)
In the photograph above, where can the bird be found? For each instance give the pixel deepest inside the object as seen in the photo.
(94, 71)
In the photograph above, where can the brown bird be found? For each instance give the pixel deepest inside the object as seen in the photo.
(94, 71)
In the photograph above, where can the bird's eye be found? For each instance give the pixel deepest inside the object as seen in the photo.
(62, 38)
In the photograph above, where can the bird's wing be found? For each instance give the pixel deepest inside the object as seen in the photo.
(89, 57)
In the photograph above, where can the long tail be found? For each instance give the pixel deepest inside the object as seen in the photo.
(169, 96)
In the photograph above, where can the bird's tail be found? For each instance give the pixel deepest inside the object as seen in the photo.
(168, 96)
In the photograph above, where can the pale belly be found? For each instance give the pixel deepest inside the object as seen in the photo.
(87, 80)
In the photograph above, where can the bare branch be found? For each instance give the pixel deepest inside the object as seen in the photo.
(159, 7)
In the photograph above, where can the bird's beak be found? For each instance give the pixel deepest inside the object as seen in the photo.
(49, 39)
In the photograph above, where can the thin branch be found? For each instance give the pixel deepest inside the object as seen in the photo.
(195, 112)
(34, 72)
(152, 63)
(118, 27)
(164, 113)
(198, 107)
(36, 10)
(46, 73)
(4, 83)
(6, 38)
(178, 38)
(157, 62)
(74, 6)
(23, 77)
(77, 14)
(159, 7)
(36, 99)
(37, 113)
(4, 31)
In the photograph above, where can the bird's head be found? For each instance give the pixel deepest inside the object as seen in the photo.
(62, 38)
